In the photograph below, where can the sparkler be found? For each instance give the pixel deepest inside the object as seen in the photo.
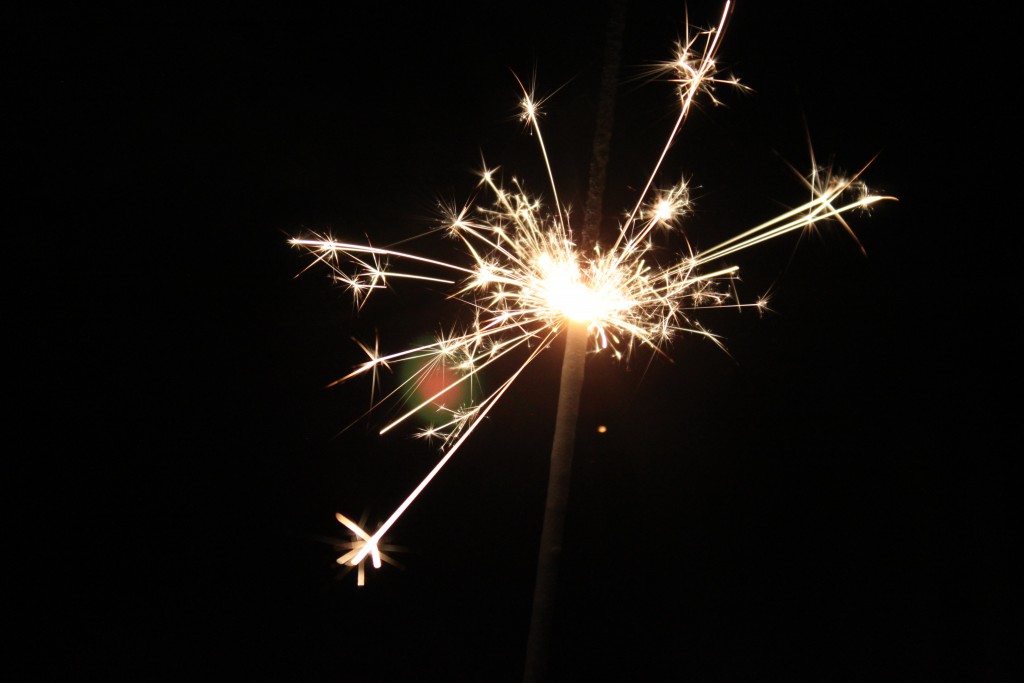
(528, 278)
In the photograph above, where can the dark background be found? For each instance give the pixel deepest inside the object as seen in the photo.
(820, 503)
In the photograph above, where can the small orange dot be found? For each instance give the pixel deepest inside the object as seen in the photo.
(601, 429)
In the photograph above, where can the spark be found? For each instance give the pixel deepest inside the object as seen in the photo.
(528, 276)
(361, 542)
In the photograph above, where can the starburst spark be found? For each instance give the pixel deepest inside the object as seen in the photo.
(528, 277)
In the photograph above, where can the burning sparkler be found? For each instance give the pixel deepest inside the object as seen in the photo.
(529, 277)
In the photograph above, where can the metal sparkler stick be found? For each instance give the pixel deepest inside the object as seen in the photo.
(549, 554)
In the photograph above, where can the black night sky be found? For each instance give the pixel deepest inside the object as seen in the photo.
(815, 504)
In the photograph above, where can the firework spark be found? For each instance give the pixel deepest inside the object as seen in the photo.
(528, 277)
